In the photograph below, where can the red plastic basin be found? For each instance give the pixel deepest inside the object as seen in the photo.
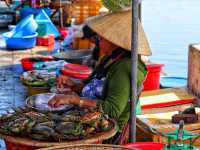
(152, 81)
(27, 63)
(76, 71)
(145, 145)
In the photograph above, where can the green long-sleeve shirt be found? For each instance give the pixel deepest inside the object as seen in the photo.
(117, 88)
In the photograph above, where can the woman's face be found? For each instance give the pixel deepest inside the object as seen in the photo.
(106, 47)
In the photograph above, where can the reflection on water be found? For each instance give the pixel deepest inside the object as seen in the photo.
(171, 26)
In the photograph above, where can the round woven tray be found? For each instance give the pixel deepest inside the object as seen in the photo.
(88, 147)
(30, 142)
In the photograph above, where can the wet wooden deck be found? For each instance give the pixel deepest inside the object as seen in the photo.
(12, 92)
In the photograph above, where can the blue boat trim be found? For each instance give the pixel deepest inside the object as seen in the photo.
(170, 82)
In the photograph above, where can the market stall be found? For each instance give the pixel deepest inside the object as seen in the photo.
(155, 123)
(31, 80)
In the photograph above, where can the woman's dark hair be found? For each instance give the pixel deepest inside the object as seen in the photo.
(89, 33)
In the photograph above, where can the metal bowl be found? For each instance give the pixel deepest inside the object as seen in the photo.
(74, 56)
(39, 102)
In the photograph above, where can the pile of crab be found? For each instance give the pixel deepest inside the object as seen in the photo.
(71, 125)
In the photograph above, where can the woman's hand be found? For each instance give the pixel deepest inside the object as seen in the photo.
(64, 81)
(64, 99)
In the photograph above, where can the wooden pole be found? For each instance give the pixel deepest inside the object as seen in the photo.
(60, 14)
(134, 58)
(140, 11)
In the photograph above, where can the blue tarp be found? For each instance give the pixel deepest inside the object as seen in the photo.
(34, 11)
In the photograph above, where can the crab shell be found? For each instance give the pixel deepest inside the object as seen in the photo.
(42, 132)
(92, 116)
(20, 125)
(38, 117)
(7, 117)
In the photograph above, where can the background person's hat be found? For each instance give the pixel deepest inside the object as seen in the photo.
(116, 28)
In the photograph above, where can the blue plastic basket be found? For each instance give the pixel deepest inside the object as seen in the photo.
(43, 18)
(172, 82)
(17, 43)
(27, 26)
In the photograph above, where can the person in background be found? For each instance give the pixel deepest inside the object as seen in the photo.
(109, 86)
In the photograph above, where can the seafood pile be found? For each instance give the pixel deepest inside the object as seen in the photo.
(49, 65)
(75, 124)
(39, 78)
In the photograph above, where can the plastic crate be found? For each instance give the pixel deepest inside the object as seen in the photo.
(81, 9)
(50, 47)
(45, 40)
(79, 43)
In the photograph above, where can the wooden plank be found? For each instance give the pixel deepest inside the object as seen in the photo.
(162, 121)
(166, 109)
(165, 97)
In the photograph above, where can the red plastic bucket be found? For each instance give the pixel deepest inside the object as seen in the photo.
(145, 145)
(27, 63)
(152, 81)
(76, 71)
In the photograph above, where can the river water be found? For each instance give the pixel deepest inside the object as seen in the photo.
(171, 26)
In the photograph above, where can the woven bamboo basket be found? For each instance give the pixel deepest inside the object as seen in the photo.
(37, 90)
(88, 147)
(23, 143)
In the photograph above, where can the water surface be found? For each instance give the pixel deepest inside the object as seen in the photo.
(171, 26)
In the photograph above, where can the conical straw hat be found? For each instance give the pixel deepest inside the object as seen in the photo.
(116, 28)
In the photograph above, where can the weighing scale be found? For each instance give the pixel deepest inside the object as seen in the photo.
(180, 136)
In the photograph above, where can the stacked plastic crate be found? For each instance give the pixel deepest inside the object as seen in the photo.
(83, 9)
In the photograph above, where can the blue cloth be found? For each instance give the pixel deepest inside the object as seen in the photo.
(93, 89)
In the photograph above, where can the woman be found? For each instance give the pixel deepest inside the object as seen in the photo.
(114, 71)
